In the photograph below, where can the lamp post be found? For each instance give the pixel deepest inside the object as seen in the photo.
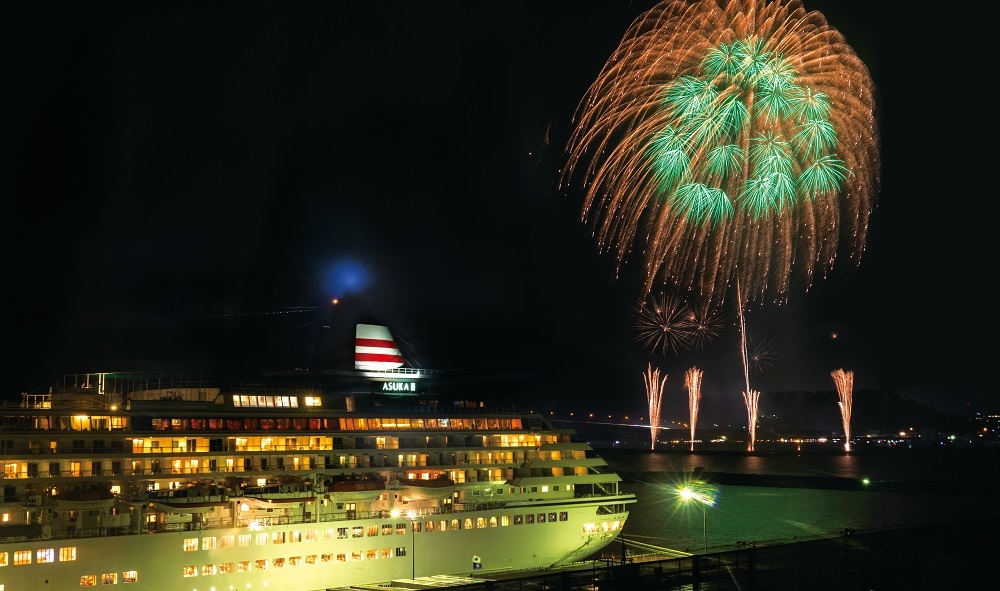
(395, 513)
(868, 482)
(688, 493)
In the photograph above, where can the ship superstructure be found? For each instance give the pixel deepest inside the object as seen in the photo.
(171, 483)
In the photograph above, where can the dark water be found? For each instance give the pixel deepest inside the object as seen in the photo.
(945, 485)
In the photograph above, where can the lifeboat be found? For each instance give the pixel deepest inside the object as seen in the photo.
(298, 491)
(418, 489)
(354, 488)
(192, 499)
(83, 500)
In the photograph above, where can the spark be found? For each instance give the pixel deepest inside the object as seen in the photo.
(844, 380)
(654, 393)
(751, 400)
(692, 381)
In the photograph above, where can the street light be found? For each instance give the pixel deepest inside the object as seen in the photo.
(395, 513)
(703, 496)
(868, 482)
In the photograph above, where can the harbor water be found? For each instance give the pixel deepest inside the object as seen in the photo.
(907, 487)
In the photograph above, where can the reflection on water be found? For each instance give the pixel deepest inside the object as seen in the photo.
(763, 515)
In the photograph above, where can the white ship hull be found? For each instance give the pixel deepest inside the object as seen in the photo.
(160, 559)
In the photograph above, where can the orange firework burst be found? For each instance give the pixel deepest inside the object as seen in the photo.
(729, 140)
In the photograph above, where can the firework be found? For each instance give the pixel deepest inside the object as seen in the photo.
(692, 381)
(751, 402)
(760, 352)
(728, 139)
(844, 380)
(662, 323)
(654, 392)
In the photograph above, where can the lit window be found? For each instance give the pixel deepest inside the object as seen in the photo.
(208, 543)
(260, 564)
(190, 571)
(67, 554)
(130, 576)
(226, 568)
(243, 566)
(4, 559)
(44, 555)
(109, 579)
(22, 557)
(277, 562)
(208, 569)
(190, 544)
(311, 559)
(88, 581)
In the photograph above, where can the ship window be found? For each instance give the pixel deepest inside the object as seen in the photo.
(357, 532)
(456, 524)
(209, 543)
(430, 526)
(401, 551)
(208, 569)
(294, 560)
(372, 530)
(529, 518)
(493, 521)
(190, 571)
(260, 564)
(400, 528)
(277, 562)
(225, 541)
(190, 544)
(22, 557)
(371, 554)
(88, 581)
(261, 539)
(563, 516)
(66, 554)
(131, 576)
(4, 559)
(341, 533)
(295, 537)
(541, 518)
(480, 522)
(356, 555)
(552, 517)
(244, 540)
(226, 568)
(243, 566)
(386, 553)
(326, 558)
(311, 559)
(278, 537)
(386, 529)
(518, 519)
(504, 520)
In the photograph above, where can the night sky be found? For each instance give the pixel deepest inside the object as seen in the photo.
(189, 185)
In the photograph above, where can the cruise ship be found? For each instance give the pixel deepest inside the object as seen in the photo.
(304, 480)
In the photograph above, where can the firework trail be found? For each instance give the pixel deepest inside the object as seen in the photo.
(728, 139)
(751, 402)
(654, 392)
(692, 381)
(844, 380)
